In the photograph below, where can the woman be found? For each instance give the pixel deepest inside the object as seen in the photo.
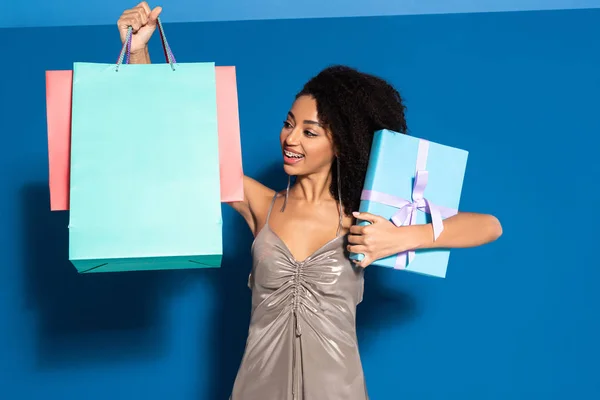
(302, 339)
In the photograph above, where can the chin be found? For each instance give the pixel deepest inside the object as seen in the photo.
(291, 170)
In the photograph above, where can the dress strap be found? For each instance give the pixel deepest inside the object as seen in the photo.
(271, 208)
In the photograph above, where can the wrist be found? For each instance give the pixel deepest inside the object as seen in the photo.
(141, 56)
(419, 237)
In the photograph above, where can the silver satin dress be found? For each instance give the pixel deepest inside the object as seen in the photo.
(302, 341)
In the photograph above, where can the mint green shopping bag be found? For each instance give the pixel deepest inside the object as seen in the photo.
(145, 190)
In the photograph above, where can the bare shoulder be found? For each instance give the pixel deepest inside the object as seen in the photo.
(254, 207)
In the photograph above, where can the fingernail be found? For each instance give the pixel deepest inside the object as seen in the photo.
(356, 213)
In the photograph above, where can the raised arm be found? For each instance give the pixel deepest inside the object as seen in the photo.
(254, 208)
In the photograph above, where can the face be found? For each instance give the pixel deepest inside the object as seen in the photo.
(306, 144)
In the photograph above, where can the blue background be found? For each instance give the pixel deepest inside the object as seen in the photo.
(517, 319)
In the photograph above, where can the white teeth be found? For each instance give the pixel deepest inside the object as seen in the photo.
(292, 155)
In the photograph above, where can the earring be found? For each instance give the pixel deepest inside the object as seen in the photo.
(287, 192)
(339, 190)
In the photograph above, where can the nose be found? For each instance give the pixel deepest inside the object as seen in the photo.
(293, 137)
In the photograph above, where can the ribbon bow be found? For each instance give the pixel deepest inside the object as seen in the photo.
(407, 214)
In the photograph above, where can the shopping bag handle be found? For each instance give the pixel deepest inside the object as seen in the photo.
(126, 49)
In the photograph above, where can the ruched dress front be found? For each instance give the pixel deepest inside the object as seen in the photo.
(302, 341)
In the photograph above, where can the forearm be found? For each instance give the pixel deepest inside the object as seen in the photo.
(141, 57)
(460, 231)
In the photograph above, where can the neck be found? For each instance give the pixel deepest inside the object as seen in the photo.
(313, 188)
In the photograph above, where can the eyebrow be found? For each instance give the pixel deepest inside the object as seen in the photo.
(306, 121)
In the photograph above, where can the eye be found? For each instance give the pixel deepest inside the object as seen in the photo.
(287, 125)
(310, 134)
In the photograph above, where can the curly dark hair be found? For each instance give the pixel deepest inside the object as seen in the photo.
(353, 105)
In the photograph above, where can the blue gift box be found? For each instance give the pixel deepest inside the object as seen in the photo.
(413, 181)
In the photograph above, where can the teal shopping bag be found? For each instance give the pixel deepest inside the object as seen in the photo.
(145, 190)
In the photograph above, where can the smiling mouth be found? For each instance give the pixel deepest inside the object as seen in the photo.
(291, 154)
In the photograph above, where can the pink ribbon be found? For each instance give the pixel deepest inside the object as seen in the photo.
(407, 210)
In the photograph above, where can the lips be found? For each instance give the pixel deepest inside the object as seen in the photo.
(291, 157)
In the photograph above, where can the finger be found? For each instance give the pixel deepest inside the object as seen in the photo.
(154, 15)
(124, 19)
(357, 230)
(357, 249)
(144, 6)
(142, 16)
(125, 22)
(363, 263)
(356, 239)
(135, 17)
(132, 12)
(367, 217)
(134, 22)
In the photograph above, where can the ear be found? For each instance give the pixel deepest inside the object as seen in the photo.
(336, 150)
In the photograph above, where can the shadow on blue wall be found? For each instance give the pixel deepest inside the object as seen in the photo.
(83, 318)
